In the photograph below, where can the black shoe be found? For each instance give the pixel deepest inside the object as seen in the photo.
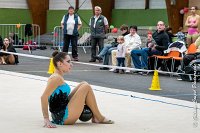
(92, 60)
(180, 71)
(75, 59)
(99, 58)
(100, 61)
(104, 68)
(121, 71)
(116, 71)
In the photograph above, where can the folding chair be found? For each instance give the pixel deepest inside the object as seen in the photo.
(191, 49)
(173, 62)
(170, 56)
(175, 52)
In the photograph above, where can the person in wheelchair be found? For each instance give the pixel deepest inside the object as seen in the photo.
(189, 61)
(194, 54)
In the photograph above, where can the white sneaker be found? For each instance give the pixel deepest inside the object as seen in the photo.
(127, 71)
(112, 70)
(179, 79)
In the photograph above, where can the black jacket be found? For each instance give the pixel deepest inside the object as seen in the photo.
(162, 40)
(10, 49)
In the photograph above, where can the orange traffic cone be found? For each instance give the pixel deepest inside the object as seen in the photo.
(155, 85)
(51, 67)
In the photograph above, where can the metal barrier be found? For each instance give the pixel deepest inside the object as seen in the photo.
(83, 41)
(17, 31)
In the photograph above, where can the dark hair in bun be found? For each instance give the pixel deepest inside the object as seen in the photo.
(58, 56)
(55, 53)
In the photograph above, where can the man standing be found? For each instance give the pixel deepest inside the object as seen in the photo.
(98, 26)
(71, 23)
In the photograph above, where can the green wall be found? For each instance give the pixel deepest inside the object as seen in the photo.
(54, 18)
(14, 16)
(120, 16)
(139, 17)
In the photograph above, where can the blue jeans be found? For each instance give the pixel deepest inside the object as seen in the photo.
(144, 53)
(107, 55)
(120, 61)
(135, 54)
(105, 50)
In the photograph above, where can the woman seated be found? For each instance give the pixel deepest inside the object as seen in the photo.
(66, 107)
(8, 58)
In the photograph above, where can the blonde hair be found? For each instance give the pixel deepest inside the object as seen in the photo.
(98, 7)
(120, 38)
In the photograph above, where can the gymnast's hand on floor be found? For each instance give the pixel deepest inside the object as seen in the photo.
(48, 123)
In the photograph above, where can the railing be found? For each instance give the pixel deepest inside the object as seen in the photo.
(84, 40)
(18, 32)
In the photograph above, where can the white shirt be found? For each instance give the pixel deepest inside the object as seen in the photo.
(96, 18)
(70, 23)
(132, 42)
(121, 50)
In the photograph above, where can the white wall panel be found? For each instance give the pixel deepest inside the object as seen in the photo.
(21, 4)
(129, 4)
(63, 4)
(157, 4)
(86, 4)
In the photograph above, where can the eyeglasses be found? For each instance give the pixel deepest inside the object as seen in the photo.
(5, 40)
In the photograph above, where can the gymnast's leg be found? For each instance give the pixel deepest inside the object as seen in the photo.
(83, 94)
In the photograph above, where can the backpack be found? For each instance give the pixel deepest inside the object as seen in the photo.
(30, 44)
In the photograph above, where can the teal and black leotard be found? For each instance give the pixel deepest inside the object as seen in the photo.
(58, 101)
